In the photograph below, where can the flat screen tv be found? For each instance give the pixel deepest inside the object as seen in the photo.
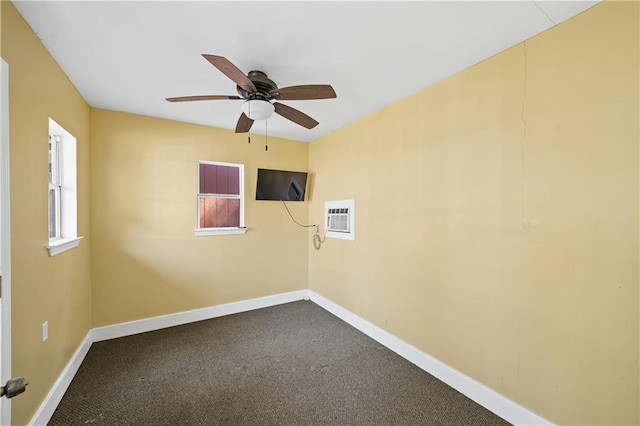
(281, 185)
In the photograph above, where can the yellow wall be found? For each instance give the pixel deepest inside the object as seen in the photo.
(497, 219)
(54, 289)
(146, 260)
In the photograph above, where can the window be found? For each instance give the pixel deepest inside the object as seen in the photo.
(220, 198)
(63, 227)
(55, 187)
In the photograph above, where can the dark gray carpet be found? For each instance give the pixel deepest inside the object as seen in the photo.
(293, 364)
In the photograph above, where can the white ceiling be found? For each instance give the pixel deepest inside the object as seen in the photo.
(130, 56)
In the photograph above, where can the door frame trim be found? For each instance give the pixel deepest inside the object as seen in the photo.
(5, 242)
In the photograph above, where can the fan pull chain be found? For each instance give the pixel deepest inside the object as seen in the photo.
(249, 137)
(266, 135)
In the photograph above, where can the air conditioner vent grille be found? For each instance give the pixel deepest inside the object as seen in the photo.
(338, 220)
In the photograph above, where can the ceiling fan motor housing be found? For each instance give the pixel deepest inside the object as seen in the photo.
(263, 84)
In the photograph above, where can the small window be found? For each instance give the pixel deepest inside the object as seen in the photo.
(62, 212)
(220, 198)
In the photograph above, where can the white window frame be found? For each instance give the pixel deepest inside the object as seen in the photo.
(203, 232)
(55, 186)
(64, 186)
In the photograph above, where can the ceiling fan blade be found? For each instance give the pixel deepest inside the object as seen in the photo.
(307, 91)
(244, 124)
(231, 71)
(294, 115)
(201, 98)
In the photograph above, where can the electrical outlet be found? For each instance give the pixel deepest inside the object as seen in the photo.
(45, 331)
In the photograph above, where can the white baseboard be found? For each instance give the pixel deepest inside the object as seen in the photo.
(51, 401)
(476, 391)
(171, 320)
(488, 398)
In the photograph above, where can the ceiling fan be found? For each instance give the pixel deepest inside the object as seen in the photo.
(262, 95)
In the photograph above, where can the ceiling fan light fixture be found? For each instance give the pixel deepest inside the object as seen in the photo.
(258, 109)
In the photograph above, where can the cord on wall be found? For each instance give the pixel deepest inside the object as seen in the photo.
(317, 241)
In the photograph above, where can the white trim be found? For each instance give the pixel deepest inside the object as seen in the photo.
(205, 232)
(53, 398)
(62, 245)
(67, 170)
(5, 242)
(171, 320)
(220, 163)
(488, 398)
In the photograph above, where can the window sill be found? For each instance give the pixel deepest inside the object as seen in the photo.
(205, 232)
(60, 246)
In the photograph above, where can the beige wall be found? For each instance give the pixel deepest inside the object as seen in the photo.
(146, 260)
(497, 219)
(54, 289)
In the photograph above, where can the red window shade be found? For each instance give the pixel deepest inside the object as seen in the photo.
(219, 212)
(216, 179)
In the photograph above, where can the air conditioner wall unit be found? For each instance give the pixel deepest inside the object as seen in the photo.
(339, 219)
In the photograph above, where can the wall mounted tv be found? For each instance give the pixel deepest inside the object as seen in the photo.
(281, 185)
